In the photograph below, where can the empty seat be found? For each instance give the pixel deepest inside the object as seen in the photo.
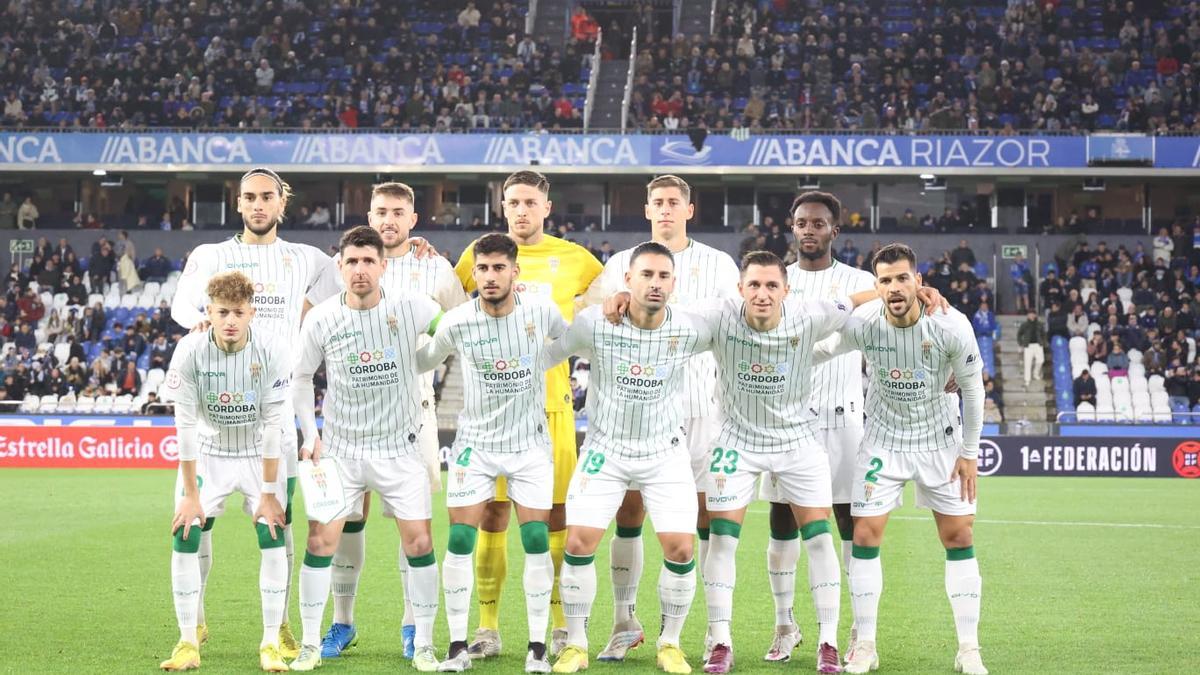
(1085, 412)
(48, 404)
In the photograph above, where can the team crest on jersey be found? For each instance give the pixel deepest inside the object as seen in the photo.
(672, 345)
(287, 261)
(530, 330)
(926, 348)
(393, 324)
(255, 370)
(414, 279)
(833, 290)
(460, 475)
(719, 481)
(868, 489)
(695, 270)
(554, 262)
(795, 342)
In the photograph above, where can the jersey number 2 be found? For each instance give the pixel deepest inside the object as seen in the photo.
(730, 457)
(873, 474)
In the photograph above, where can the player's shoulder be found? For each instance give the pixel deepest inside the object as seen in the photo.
(465, 312)
(306, 250)
(590, 314)
(532, 302)
(266, 342)
(191, 342)
(859, 275)
(704, 250)
(951, 321)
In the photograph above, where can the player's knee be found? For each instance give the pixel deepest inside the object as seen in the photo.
(320, 542)
(418, 544)
(535, 537)
(959, 537)
(678, 549)
(845, 523)
(631, 513)
(495, 517)
(579, 545)
(189, 545)
(265, 538)
(462, 539)
(782, 521)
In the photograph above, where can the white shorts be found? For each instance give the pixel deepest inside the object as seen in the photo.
(841, 447)
(701, 433)
(799, 476)
(880, 476)
(219, 477)
(400, 481)
(427, 441)
(473, 473)
(599, 484)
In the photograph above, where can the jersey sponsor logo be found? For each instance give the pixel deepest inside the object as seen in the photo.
(762, 379)
(538, 288)
(226, 397)
(240, 265)
(210, 373)
(480, 342)
(741, 341)
(174, 379)
(281, 383)
(502, 364)
(365, 356)
(371, 369)
(232, 408)
(619, 344)
(879, 348)
(345, 336)
(641, 382)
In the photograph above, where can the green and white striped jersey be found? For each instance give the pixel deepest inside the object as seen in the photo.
(633, 405)
(228, 392)
(701, 273)
(432, 277)
(284, 273)
(372, 404)
(837, 393)
(907, 369)
(764, 379)
(504, 402)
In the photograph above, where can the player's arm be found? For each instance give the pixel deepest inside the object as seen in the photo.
(843, 341)
(576, 340)
(605, 284)
(588, 273)
(190, 297)
(181, 384)
(436, 350)
(308, 359)
(270, 511)
(968, 373)
(449, 292)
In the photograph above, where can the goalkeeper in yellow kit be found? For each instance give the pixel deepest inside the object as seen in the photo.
(559, 270)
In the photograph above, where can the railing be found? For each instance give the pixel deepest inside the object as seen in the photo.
(1192, 417)
(531, 17)
(629, 81)
(676, 10)
(593, 78)
(966, 133)
(712, 18)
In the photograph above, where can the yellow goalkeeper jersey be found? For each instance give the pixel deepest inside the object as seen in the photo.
(555, 269)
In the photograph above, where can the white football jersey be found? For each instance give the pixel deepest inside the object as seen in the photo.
(837, 393)
(372, 406)
(701, 273)
(504, 402)
(634, 403)
(229, 391)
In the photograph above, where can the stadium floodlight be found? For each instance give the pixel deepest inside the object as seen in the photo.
(928, 177)
(809, 182)
(99, 172)
(933, 183)
(1094, 185)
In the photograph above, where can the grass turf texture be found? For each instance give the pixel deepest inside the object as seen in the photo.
(86, 583)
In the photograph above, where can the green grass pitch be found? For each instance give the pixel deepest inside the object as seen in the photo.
(85, 583)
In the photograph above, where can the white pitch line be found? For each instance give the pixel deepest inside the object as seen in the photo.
(1053, 523)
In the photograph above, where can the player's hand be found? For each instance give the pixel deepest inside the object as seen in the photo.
(421, 248)
(951, 385)
(933, 300)
(270, 512)
(966, 471)
(202, 326)
(615, 307)
(186, 514)
(314, 454)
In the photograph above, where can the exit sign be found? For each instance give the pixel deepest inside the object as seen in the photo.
(1010, 251)
(20, 246)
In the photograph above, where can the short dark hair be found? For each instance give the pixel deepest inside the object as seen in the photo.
(650, 248)
(764, 259)
(527, 177)
(364, 236)
(892, 253)
(817, 197)
(495, 242)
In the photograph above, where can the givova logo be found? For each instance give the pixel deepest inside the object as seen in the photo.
(503, 364)
(232, 397)
(385, 354)
(763, 368)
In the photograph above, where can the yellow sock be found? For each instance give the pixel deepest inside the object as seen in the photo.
(491, 566)
(558, 545)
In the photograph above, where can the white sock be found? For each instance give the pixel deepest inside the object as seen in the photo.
(825, 582)
(185, 587)
(577, 587)
(720, 575)
(314, 593)
(204, 556)
(782, 556)
(702, 551)
(675, 594)
(458, 581)
(866, 586)
(423, 588)
(407, 619)
(539, 582)
(289, 545)
(847, 556)
(625, 563)
(347, 568)
(272, 585)
(964, 586)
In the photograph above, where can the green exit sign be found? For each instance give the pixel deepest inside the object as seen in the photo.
(1010, 251)
(20, 246)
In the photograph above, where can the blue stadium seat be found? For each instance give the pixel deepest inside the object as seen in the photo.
(981, 270)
